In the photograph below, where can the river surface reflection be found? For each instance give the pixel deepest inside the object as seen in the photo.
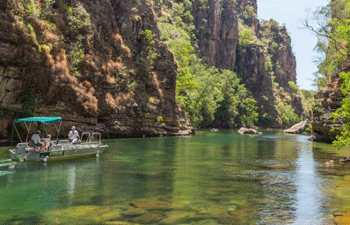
(209, 178)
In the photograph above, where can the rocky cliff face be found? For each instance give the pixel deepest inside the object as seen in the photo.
(327, 101)
(216, 23)
(334, 68)
(101, 65)
(264, 61)
(247, 11)
(100, 71)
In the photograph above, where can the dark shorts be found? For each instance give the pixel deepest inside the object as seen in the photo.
(38, 145)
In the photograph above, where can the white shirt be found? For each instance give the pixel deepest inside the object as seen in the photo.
(36, 139)
(73, 134)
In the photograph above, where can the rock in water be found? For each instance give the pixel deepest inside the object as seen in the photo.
(297, 128)
(244, 130)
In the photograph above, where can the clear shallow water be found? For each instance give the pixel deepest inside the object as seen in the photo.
(210, 178)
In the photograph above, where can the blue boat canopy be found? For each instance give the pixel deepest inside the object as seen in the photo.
(44, 120)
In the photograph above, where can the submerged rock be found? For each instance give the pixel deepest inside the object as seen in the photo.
(279, 166)
(148, 218)
(330, 163)
(153, 204)
(297, 128)
(134, 212)
(84, 214)
(118, 223)
(179, 217)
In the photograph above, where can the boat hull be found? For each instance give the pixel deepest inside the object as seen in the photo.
(75, 152)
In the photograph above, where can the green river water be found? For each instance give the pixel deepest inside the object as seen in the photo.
(210, 178)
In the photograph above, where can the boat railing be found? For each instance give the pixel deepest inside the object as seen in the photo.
(85, 137)
(25, 144)
(87, 140)
(96, 138)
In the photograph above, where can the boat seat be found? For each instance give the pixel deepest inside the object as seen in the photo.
(20, 150)
(31, 144)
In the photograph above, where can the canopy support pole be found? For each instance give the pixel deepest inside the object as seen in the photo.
(63, 130)
(45, 130)
(59, 129)
(25, 124)
(18, 133)
(12, 134)
(30, 126)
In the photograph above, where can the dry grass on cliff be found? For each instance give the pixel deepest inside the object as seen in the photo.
(110, 100)
(121, 101)
(111, 65)
(86, 98)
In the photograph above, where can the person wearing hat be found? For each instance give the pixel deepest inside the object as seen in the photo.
(36, 139)
(73, 135)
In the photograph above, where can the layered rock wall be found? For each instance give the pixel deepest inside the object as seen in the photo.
(327, 101)
(266, 61)
(216, 23)
(109, 90)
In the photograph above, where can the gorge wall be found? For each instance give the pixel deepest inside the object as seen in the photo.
(89, 62)
(261, 54)
(327, 101)
(331, 107)
(104, 66)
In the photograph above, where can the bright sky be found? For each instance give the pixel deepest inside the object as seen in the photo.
(292, 13)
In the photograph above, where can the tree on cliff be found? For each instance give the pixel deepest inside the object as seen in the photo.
(331, 25)
(334, 43)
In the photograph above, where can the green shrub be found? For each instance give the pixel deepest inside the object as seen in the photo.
(76, 54)
(160, 119)
(249, 12)
(246, 35)
(33, 9)
(78, 17)
(147, 55)
(293, 86)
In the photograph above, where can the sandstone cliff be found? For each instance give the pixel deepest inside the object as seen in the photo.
(261, 54)
(327, 101)
(103, 65)
(331, 106)
(90, 62)
(217, 32)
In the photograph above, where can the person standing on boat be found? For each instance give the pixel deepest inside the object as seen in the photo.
(36, 139)
(73, 136)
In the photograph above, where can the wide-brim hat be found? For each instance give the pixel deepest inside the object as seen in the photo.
(73, 127)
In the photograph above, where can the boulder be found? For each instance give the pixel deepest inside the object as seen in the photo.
(244, 130)
(297, 128)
